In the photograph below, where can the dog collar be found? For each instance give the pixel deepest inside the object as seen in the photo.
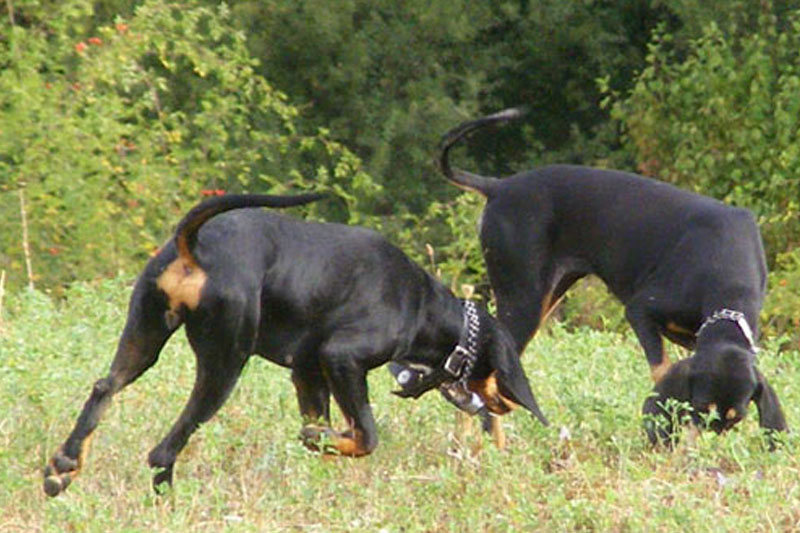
(456, 368)
(461, 360)
(737, 317)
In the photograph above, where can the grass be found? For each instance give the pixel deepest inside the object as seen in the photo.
(245, 470)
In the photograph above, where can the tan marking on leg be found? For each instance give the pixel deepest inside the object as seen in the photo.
(183, 284)
(312, 435)
(675, 328)
(657, 372)
(349, 446)
(464, 426)
(731, 414)
(498, 435)
(84, 451)
(57, 480)
(548, 306)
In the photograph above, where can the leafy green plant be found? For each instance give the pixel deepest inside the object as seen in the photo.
(112, 136)
(724, 118)
(781, 313)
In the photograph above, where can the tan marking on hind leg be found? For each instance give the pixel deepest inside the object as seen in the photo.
(183, 284)
(675, 328)
(548, 306)
(326, 440)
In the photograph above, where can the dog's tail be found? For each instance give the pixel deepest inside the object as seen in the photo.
(461, 178)
(186, 232)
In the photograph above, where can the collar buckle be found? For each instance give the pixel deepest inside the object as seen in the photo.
(457, 361)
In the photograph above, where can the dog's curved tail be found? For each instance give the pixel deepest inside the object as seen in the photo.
(186, 231)
(461, 178)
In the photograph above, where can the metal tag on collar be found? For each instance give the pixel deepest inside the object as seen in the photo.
(454, 365)
(741, 321)
(461, 397)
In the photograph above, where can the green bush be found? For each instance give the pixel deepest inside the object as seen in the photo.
(781, 314)
(725, 119)
(111, 137)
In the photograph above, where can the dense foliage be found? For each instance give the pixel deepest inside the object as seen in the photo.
(112, 136)
(725, 121)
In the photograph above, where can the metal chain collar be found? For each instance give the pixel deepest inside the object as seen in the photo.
(460, 362)
(738, 318)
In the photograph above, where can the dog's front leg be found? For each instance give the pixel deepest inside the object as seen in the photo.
(313, 395)
(348, 382)
(648, 332)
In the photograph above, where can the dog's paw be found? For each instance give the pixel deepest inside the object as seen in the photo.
(162, 480)
(331, 442)
(315, 437)
(59, 473)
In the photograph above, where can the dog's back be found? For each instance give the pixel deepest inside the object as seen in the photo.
(595, 218)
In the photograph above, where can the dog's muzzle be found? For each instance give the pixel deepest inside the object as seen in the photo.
(411, 378)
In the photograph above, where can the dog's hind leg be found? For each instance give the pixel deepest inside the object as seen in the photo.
(222, 347)
(522, 278)
(144, 335)
(215, 379)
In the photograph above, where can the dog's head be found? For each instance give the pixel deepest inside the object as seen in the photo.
(722, 378)
(694, 381)
(498, 377)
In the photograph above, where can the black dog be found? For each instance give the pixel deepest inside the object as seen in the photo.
(674, 259)
(328, 301)
(675, 385)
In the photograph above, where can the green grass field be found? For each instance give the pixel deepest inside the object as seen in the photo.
(245, 470)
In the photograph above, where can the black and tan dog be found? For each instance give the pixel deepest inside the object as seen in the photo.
(328, 301)
(676, 385)
(673, 258)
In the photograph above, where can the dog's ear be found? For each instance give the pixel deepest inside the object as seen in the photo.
(675, 382)
(673, 385)
(657, 424)
(511, 379)
(770, 414)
